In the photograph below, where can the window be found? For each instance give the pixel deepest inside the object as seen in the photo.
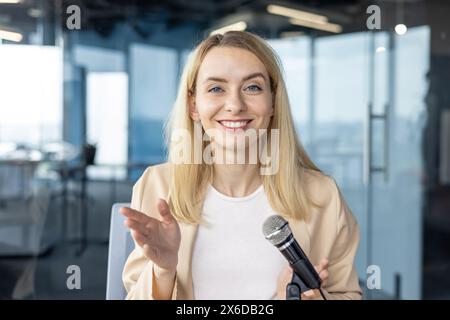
(107, 121)
(153, 82)
(30, 94)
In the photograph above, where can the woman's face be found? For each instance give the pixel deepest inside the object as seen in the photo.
(232, 94)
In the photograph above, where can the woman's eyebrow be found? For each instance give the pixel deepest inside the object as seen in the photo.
(254, 75)
(250, 76)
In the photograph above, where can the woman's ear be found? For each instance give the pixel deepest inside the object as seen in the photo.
(193, 112)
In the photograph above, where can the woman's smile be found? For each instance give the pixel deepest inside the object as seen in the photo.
(233, 126)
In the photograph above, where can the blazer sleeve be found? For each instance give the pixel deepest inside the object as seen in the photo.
(137, 276)
(343, 281)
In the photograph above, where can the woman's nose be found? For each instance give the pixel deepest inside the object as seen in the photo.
(235, 104)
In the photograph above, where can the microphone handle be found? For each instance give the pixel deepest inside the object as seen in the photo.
(300, 263)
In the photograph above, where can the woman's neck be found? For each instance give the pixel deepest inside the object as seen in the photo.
(236, 180)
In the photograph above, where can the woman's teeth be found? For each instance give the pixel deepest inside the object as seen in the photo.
(234, 124)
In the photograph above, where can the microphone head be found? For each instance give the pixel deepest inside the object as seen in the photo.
(276, 229)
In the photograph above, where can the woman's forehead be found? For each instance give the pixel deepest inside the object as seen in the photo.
(226, 62)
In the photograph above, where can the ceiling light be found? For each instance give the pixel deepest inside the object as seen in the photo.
(35, 13)
(238, 26)
(401, 29)
(330, 27)
(296, 14)
(10, 35)
(10, 1)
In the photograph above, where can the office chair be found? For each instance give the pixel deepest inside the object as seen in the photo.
(120, 246)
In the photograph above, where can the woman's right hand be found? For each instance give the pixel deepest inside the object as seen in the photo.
(159, 239)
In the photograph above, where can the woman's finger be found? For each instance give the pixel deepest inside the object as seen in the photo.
(132, 224)
(324, 277)
(131, 213)
(147, 228)
(323, 274)
(309, 293)
(140, 238)
(149, 251)
(135, 215)
(324, 264)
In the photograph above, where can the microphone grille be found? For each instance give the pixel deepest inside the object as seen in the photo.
(276, 229)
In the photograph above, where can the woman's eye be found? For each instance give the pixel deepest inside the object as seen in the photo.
(215, 90)
(253, 87)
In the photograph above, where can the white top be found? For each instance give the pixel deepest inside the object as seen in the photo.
(231, 258)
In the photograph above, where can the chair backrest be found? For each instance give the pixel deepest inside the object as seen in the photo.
(88, 154)
(120, 246)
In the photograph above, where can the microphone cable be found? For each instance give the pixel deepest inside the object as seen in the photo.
(321, 293)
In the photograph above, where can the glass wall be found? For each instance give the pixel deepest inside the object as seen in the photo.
(358, 105)
(295, 55)
(153, 83)
(396, 195)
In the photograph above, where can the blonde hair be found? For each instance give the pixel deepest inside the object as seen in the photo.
(285, 189)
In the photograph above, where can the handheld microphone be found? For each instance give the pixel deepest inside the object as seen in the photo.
(276, 230)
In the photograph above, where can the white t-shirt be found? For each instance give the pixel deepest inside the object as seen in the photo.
(231, 258)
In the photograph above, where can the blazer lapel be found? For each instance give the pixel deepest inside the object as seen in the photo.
(184, 270)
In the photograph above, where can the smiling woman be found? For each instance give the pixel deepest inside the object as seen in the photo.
(233, 92)
(197, 225)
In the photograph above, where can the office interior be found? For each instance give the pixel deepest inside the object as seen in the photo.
(83, 105)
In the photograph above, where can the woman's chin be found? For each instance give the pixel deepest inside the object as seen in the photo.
(230, 153)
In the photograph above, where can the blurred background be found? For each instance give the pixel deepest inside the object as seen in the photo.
(82, 105)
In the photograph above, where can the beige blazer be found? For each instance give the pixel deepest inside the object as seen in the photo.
(332, 233)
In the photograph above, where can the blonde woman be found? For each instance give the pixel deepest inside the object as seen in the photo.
(197, 220)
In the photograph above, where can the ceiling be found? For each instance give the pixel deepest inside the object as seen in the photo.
(103, 15)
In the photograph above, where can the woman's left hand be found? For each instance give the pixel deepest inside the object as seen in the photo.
(285, 277)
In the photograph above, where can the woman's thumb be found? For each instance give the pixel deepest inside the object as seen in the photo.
(164, 211)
